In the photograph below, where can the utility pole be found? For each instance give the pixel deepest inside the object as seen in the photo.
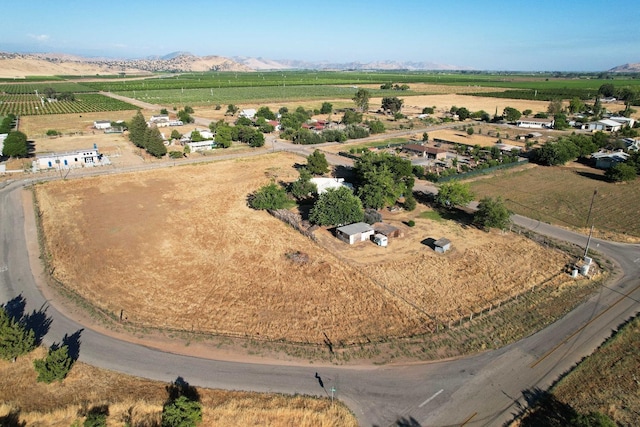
(591, 206)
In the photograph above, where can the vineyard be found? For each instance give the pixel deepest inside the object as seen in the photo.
(31, 88)
(29, 105)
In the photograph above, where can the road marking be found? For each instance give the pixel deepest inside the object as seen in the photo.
(430, 399)
(561, 343)
(638, 260)
(3, 269)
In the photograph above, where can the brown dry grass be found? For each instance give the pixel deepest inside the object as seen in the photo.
(140, 401)
(180, 249)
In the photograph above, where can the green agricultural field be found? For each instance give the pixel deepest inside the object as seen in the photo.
(233, 95)
(563, 195)
(31, 88)
(29, 105)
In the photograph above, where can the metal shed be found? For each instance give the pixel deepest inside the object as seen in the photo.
(356, 232)
(442, 245)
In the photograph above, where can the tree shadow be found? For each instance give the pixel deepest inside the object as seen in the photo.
(94, 412)
(73, 344)
(545, 410)
(180, 387)
(37, 320)
(406, 422)
(458, 215)
(594, 176)
(15, 307)
(344, 172)
(12, 419)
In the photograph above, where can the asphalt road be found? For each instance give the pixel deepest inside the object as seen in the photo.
(485, 389)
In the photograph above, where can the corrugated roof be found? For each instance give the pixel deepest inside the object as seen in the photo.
(355, 228)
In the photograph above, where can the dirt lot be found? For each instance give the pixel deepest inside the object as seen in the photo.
(179, 249)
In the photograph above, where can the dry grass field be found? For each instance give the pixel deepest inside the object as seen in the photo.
(562, 195)
(179, 249)
(136, 401)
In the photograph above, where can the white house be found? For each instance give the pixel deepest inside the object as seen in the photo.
(3, 136)
(356, 232)
(102, 124)
(605, 125)
(70, 159)
(249, 113)
(536, 123)
(159, 118)
(200, 145)
(324, 184)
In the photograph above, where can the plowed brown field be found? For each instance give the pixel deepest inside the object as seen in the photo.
(178, 248)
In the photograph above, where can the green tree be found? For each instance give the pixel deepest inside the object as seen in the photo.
(621, 172)
(188, 110)
(375, 126)
(271, 196)
(196, 136)
(351, 117)
(266, 113)
(15, 145)
(463, 114)
(393, 104)
(361, 99)
(607, 90)
(317, 163)
(154, 143)
(470, 131)
(576, 105)
(175, 134)
(511, 114)
(164, 111)
(526, 112)
(597, 108)
(560, 121)
(303, 188)
(326, 108)
(182, 412)
(185, 117)
(454, 193)
(223, 135)
(231, 110)
(492, 213)
(55, 366)
(137, 129)
(336, 207)
(555, 107)
(15, 339)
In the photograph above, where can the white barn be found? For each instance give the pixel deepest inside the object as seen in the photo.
(71, 159)
(356, 232)
(102, 124)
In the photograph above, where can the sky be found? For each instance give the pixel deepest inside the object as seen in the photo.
(558, 35)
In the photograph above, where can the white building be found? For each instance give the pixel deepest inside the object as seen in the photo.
(605, 125)
(71, 159)
(249, 113)
(324, 184)
(201, 145)
(535, 123)
(3, 136)
(102, 124)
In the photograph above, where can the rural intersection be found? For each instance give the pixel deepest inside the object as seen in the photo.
(484, 389)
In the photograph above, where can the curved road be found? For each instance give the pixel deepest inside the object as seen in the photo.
(485, 389)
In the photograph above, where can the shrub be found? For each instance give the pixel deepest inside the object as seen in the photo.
(55, 366)
(175, 154)
(411, 223)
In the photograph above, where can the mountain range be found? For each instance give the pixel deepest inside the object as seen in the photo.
(19, 65)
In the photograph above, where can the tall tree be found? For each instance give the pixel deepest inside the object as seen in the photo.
(317, 163)
(555, 107)
(361, 99)
(15, 145)
(326, 108)
(454, 193)
(137, 129)
(336, 207)
(182, 412)
(393, 104)
(153, 142)
(15, 339)
(607, 90)
(511, 114)
(303, 188)
(55, 366)
(270, 196)
(492, 213)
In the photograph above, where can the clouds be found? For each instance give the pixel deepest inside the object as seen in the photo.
(39, 37)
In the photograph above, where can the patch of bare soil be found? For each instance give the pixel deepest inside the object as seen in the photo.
(179, 249)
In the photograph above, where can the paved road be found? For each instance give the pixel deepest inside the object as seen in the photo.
(485, 389)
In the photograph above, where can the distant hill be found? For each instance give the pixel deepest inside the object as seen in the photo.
(17, 65)
(626, 68)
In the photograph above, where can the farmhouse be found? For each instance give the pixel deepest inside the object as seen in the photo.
(536, 123)
(71, 159)
(102, 124)
(249, 113)
(356, 232)
(159, 118)
(609, 160)
(201, 145)
(605, 125)
(424, 151)
(324, 184)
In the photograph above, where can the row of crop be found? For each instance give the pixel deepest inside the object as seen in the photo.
(542, 95)
(85, 103)
(31, 88)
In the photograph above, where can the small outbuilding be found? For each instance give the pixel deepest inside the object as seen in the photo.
(102, 124)
(356, 232)
(380, 240)
(442, 245)
(387, 230)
